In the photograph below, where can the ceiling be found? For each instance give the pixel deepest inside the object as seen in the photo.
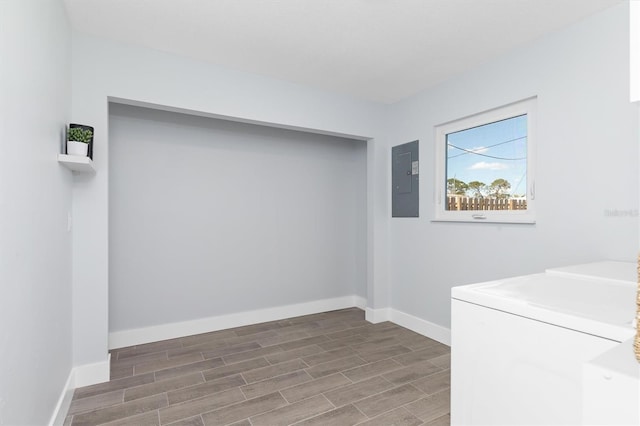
(379, 50)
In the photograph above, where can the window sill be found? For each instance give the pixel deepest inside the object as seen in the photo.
(498, 220)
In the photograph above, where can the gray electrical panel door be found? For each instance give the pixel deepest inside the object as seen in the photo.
(404, 180)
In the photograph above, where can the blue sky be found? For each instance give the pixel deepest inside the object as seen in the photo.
(489, 152)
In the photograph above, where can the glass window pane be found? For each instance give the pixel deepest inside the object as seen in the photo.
(486, 167)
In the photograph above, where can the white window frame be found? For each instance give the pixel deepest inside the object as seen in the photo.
(526, 106)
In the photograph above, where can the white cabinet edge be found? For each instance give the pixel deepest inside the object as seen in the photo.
(634, 50)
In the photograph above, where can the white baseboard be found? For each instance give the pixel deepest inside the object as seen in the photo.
(138, 336)
(64, 402)
(420, 326)
(82, 375)
(90, 374)
(359, 302)
(375, 316)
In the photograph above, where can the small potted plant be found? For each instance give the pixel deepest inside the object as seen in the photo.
(78, 139)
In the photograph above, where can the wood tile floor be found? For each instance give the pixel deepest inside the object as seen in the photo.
(332, 368)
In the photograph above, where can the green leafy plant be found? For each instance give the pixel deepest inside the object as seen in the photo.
(79, 134)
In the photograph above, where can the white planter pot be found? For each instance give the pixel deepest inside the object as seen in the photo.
(77, 148)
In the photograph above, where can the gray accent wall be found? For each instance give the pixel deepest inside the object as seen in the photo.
(210, 217)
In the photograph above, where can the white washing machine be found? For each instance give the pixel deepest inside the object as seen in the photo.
(519, 344)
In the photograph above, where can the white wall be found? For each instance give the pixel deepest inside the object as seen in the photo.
(103, 69)
(587, 162)
(35, 196)
(210, 217)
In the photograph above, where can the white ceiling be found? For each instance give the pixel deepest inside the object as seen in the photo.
(380, 50)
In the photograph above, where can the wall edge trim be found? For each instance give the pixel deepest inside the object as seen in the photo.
(375, 316)
(90, 374)
(64, 401)
(421, 326)
(81, 375)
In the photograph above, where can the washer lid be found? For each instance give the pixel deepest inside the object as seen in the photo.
(602, 307)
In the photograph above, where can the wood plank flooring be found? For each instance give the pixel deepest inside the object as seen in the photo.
(332, 368)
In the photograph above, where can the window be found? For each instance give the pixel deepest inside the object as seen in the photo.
(484, 166)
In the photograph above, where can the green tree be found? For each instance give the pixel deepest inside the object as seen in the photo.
(477, 189)
(456, 186)
(499, 188)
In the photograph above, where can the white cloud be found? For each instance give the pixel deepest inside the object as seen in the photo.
(482, 165)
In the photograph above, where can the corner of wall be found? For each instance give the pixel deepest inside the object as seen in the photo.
(90, 374)
(64, 401)
(376, 316)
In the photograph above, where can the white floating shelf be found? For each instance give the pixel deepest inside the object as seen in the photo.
(76, 163)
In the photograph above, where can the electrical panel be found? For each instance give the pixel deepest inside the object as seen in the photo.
(405, 180)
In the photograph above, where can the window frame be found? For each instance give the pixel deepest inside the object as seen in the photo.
(525, 106)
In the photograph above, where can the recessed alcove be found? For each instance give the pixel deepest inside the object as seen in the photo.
(211, 217)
